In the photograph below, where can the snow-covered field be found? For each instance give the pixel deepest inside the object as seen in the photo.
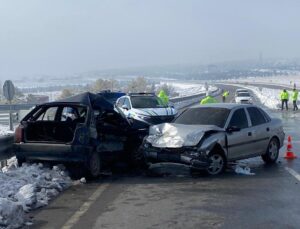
(281, 80)
(187, 89)
(28, 187)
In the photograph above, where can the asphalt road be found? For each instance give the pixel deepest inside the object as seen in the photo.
(268, 199)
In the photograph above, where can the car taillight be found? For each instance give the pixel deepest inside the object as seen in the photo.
(19, 134)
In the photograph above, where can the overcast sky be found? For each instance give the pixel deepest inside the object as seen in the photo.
(71, 36)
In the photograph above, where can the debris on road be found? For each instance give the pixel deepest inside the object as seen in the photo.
(83, 180)
(245, 170)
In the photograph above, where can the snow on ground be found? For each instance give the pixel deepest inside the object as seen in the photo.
(4, 130)
(187, 89)
(28, 187)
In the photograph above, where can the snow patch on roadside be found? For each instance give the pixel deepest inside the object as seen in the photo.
(4, 130)
(28, 187)
(245, 170)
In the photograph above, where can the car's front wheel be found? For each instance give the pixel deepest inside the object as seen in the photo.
(217, 163)
(272, 152)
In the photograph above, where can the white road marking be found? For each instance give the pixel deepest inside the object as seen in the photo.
(84, 207)
(293, 173)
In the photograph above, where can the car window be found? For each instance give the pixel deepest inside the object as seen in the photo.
(239, 119)
(265, 114)
(146, 102)
(120, 102)
(256, 116)
(243, 94)
(48, 115)
(77, 114)
(204, 116)
(127, 103)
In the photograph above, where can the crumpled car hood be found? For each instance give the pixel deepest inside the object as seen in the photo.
(173, 135)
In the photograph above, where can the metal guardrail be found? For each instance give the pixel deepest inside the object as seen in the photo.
(16, 107)
(180, 99)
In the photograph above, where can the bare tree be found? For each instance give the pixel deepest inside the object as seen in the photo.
(101, 85)
(65, 93)
(137, 85)
(168, 89)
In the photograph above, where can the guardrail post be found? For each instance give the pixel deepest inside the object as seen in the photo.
(11, 127)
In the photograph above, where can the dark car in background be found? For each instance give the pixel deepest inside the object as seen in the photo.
(111, 96)
(85, 130)
(209, 136)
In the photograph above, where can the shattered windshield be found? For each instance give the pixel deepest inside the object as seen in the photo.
(146, 102)
(204, 116)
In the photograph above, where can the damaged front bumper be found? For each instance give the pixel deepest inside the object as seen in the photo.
(183, 156)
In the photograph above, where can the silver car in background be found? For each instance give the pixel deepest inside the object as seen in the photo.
(208, 136)
(243, 97)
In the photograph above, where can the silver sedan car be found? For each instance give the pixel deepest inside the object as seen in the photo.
(208, 136)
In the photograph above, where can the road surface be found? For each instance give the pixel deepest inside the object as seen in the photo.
(268, 199)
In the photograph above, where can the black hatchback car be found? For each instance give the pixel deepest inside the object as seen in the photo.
(84, 129)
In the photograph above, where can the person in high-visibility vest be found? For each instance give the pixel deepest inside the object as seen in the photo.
(208, 99)
(225, 94)
(163, 96)
(284, 96)
(295, 99)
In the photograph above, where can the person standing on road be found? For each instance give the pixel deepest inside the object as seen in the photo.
(225, 94)
(208, 99)
(295, 99)
(284, 96)
(163, 96)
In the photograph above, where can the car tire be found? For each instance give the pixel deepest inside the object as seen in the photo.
(218, 163)
(20, 161)
(94, 165)
(76, 170)
(137, 158)
(272, 152)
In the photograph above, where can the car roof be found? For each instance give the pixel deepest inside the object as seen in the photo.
(223, 105)
(141, 94)
(87, 99)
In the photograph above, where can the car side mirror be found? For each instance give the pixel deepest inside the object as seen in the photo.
(125, 107)
(233, 129)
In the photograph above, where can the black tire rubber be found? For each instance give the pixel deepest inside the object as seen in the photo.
(94, 165)
(267, 158)
(137, 159)
(76, 170)
(21, 160)
(221, 155)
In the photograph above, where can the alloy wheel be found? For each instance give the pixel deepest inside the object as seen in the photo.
(217, 164)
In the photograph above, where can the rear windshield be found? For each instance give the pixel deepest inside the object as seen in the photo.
(243, 94)
(204, 116)
(146, 102)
